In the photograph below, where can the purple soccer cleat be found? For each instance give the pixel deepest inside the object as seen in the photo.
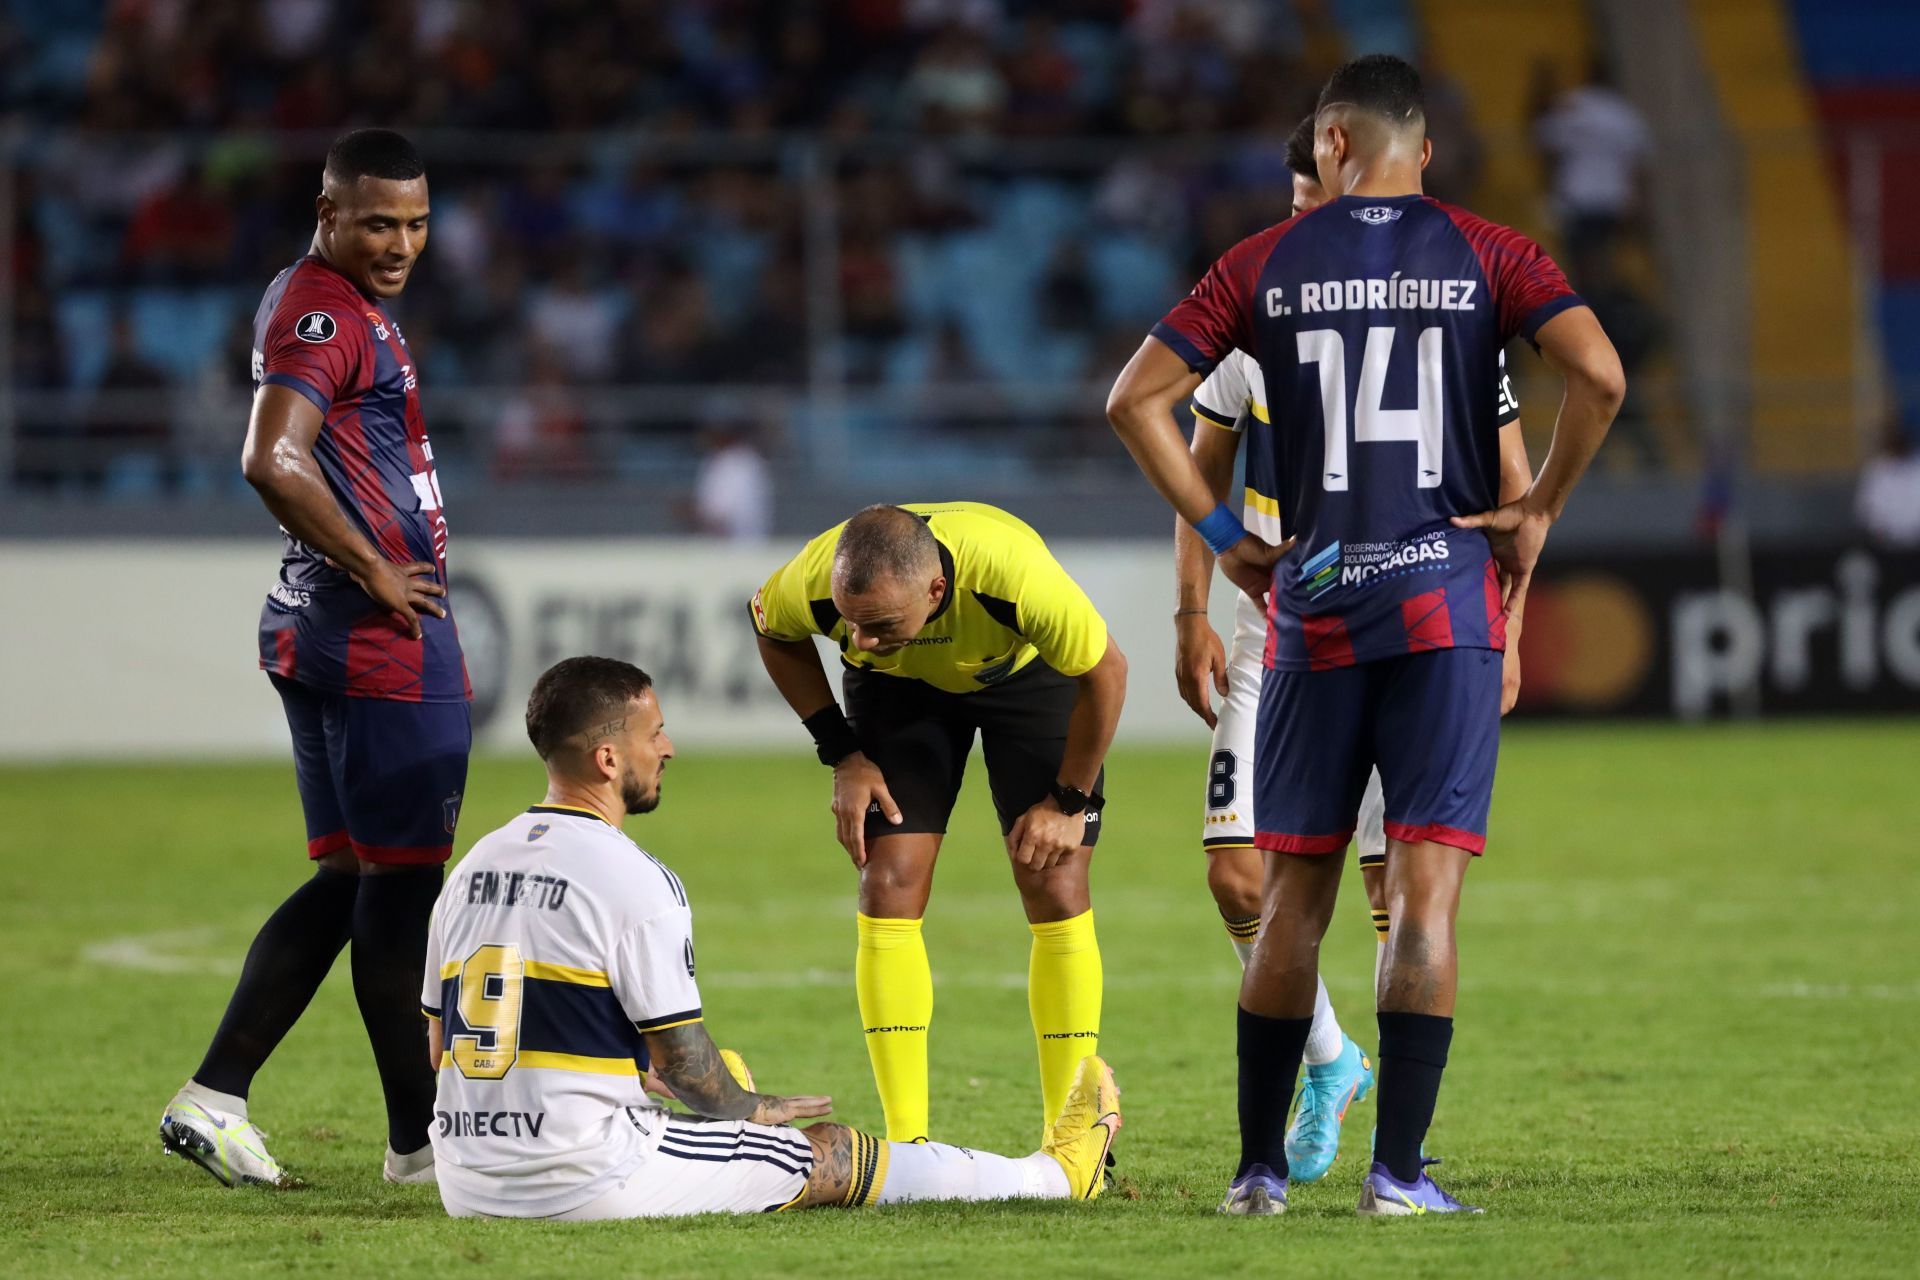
(1385, 1195)
(1257, 1193)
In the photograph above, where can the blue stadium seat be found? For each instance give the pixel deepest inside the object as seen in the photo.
(85, 321)
(1030, 213)
(916, 270)
(731, 262)
(133, 477)
(1378, 26)
(1135, 280)
(181, 330)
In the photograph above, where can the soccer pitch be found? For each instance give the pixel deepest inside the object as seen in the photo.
(1689, 1014)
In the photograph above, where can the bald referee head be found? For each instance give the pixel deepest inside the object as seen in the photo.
(887, 577)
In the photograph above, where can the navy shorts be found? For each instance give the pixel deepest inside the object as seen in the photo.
(1430, 722)
(379, 777)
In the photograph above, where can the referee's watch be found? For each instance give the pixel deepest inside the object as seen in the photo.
(1073, 800)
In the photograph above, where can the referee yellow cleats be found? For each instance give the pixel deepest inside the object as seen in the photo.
(1084, 1131)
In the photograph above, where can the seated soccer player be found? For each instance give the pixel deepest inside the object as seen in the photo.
(560, 976)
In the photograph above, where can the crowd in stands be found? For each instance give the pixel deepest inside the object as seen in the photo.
(1008, 192)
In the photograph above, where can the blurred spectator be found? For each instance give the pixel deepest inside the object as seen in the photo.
(131, 411)
(1043, 80)
(1597, 145)
(955, 86)
(182, 234)
(576, 323)
(541, 431)
(1067, 301)
(732, 487)
(1635, 328)
(1887, 503)
(674, 339)
(1453, 174)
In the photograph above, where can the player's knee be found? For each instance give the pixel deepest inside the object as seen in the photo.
(832, 1162)
(1235, 882)
(340, 861)
(1058, 893)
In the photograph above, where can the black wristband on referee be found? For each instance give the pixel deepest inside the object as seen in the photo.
(833, 737)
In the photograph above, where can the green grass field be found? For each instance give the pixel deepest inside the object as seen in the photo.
(1687, 1032)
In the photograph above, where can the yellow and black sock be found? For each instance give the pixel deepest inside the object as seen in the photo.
(1380, 922)
(869, 1174)
(895, 988)
(1241, 931)
(1064, 986)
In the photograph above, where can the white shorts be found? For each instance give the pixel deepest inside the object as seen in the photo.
(1228, 823)
(703, 1166)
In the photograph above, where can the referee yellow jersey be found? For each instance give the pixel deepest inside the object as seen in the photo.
(1008, 602)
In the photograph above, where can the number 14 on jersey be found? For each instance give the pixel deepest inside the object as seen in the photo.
(1372, 424)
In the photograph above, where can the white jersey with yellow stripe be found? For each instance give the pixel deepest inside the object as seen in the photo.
(555, 945)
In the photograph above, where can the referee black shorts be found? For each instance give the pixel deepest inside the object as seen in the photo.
(919, 736)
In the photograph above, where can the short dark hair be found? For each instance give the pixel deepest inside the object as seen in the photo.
(1378, 83)
(882, 541)
(1300, 150)
(575, 694)
(373, 153)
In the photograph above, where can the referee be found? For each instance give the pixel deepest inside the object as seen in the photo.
(953, 617)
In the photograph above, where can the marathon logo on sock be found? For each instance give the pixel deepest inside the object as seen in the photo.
(490, 1124)
(1070, 1035)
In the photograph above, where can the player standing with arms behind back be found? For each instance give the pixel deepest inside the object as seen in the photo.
(363, 653)
(1377, 322)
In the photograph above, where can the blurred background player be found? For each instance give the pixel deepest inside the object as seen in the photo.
(951, 618)
(1229, 405)
(560, 980)
(357, 640)
(1387, 603)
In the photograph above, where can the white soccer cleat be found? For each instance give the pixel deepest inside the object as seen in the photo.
(226, 1145)
(415, 1170)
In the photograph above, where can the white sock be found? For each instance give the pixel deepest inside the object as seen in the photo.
(213, 1099)
(1379, 963)
(936, 1171)
(412, 1162)
(1244, 950)
(1325, 1040)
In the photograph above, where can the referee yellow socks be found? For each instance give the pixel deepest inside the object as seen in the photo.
(895, 988)
(1064, 986)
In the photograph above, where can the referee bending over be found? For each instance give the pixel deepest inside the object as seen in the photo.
(953, 617)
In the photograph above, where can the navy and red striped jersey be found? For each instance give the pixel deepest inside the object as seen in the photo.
(1378, 325)
(317, 334)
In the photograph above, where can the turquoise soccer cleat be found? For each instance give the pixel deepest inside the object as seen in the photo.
(1313, 1139)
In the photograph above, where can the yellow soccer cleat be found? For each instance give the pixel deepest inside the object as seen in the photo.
(737, 1068)
(1085, 1130)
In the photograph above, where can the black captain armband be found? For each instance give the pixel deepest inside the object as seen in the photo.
(833, 737)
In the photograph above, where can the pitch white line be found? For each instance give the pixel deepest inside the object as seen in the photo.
(159, 952)
(187, 952)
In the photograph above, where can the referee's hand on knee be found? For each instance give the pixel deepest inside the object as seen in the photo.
(858, 786)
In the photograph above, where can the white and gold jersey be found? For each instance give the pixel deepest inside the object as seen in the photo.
(556, 943)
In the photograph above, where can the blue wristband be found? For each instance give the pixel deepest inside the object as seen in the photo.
(1221, 529)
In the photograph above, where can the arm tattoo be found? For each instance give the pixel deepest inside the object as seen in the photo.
(685, 1057)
